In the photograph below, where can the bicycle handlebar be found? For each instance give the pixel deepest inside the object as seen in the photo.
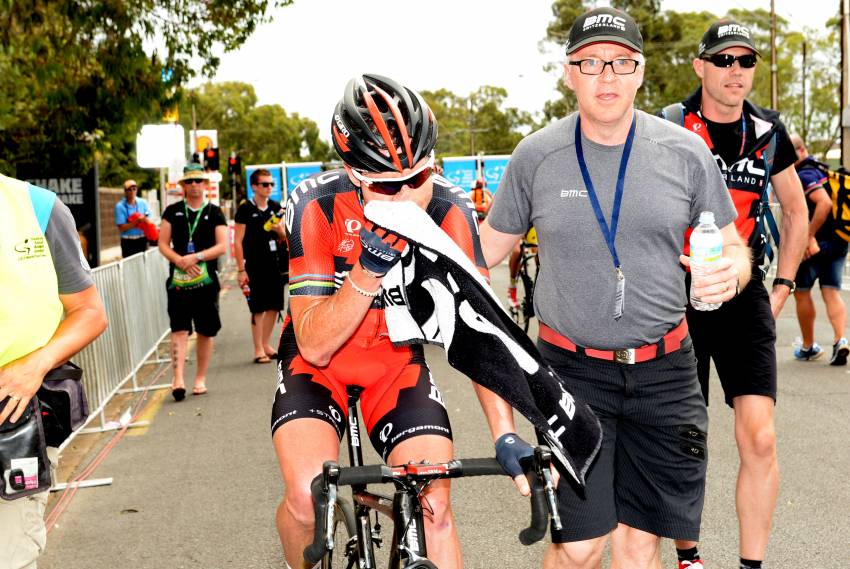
(325, 485)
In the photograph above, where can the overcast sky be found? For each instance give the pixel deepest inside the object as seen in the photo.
(303, 59)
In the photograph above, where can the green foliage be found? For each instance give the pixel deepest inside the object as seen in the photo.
(670, 44)
(479, 123)
(78, 77)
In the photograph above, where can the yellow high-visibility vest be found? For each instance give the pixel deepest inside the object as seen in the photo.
(30, 310)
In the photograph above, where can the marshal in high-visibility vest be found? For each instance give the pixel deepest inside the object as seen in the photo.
(30, 309)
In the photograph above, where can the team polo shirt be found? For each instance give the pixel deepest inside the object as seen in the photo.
(204, 235)
(260, 247)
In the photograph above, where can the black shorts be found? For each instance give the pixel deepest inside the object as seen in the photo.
(266, 289)
(650, 471)
(399, 399)
(198, 305)
(740, 337)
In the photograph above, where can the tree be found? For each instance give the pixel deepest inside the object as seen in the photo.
(478, 123)
(78, 77)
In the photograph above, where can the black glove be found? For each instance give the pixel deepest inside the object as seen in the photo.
(511, 450)
(381, 249)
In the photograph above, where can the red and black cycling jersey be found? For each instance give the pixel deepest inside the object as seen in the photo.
(324, 216)
(741, 152)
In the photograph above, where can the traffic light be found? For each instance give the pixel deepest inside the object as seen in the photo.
(234, 165)
(211, 159)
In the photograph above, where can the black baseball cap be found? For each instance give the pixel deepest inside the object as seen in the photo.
(604, 25)
(724, 34)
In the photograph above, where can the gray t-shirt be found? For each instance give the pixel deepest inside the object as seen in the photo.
(671, 178)
(72, 269)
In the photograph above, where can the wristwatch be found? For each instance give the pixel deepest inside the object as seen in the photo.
(787, 282)
(199, 255)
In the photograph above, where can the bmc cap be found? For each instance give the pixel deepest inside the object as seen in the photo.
(725, 34)
(604, 25)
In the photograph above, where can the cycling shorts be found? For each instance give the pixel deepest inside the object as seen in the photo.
(400, 399)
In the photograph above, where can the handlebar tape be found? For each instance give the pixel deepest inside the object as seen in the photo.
(314, 552)
(539, 513)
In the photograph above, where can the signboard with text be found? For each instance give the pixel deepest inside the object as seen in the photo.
(461, 171)
(79, 193)
(494, 169)
(298, 171)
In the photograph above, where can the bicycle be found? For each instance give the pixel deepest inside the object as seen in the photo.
(526, 278)
(341, 521)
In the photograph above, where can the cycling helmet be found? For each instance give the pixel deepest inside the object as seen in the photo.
(381, 126)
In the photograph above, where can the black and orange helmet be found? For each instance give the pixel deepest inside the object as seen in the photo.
(380, 125)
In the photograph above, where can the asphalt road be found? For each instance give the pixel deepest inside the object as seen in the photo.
(199, 487)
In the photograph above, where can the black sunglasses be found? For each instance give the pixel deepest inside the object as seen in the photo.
(728, 60)
(194, 181)
(129, 188)
(266, 184)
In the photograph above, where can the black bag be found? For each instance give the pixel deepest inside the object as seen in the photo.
(64, 407)
(23, 455)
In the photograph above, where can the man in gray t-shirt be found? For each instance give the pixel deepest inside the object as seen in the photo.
(611, 191)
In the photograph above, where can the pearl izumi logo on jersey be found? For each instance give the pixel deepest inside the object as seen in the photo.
(604, 20)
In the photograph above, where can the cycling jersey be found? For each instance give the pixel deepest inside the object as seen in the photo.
(400, 400)
(746, 166)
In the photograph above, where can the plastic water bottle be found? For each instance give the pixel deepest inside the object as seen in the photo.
(706, 250)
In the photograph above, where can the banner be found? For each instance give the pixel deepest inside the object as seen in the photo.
(298, 171)
(79, 193)
(494, 169)
(277, 176)
(461, 171)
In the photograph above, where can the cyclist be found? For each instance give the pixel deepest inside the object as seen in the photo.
(481, 198)
(335, 334)
(529, 240)
(749, 144)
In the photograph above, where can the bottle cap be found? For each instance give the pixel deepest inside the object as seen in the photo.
(706, 217)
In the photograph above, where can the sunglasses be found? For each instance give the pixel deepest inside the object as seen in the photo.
(392, 186)
(265, 184)
(129, 188)
(194, 181)
(727, 60)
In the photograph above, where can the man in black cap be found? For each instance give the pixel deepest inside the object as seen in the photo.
(611, 301)
(752, 149)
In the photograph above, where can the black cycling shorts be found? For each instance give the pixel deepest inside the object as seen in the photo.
(650, 471)
(740, 337)
(198, 305)
(399, 401)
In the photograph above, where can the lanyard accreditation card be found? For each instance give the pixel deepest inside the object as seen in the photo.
(610, 233)
(190, 246)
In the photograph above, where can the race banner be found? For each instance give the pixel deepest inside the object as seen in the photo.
(277, 176)
(298, 171)
(494, 169)
(461, 171)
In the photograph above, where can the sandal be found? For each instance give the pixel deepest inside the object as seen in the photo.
(199, 390)
(262, 360)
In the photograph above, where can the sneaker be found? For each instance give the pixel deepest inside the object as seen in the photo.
(839, 353)
(691, 564)
(806, 354)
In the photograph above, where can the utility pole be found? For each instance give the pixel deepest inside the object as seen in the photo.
(774, 86)
(804, 122)
(845, 88)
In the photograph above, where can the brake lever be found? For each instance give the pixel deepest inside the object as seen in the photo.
(330, 477)
(542, 465)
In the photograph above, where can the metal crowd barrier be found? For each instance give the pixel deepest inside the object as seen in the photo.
(133, 292)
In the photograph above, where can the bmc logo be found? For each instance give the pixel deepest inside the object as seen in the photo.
(733, 30)
(605, 20)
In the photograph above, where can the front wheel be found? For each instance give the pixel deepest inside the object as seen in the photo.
(344, 554)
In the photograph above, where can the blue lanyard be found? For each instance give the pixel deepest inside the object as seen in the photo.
(609, 234)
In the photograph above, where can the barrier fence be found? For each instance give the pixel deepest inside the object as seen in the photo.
(133, 293)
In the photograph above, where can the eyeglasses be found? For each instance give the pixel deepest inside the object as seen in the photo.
(392, 186)
(747, 61)
(265, 184)
(594, 66)
(194, 181)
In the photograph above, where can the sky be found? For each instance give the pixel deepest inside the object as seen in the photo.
(303, 59)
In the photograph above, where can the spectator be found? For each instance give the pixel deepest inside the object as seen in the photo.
(49, 311)
(133, 239)
(611, 298)
(192, 236)
(481, 198)
(824, 262)
(258, 244)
